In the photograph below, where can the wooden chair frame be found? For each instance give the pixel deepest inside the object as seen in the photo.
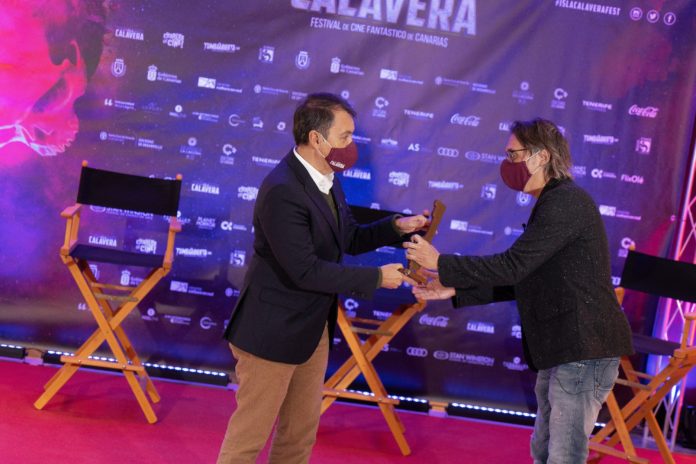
(360, 362)
(109, 311)
(648, 393)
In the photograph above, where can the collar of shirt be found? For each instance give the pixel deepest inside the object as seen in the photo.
(324, 181)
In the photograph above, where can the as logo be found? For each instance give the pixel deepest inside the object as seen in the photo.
(414, 147)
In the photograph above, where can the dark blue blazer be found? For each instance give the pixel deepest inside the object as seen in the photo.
(290, 289)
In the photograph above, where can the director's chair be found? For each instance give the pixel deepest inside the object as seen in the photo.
(363, 352)
(360, 362)
(110, 303)
(665, 278)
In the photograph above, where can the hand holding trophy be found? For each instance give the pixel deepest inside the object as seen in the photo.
(415, 260)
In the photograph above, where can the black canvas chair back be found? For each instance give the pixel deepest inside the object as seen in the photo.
(659, 276)
(129, 192)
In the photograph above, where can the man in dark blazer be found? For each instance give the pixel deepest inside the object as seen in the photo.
(572, 325)
(281, 327)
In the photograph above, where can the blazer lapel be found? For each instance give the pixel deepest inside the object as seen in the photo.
(314, 194)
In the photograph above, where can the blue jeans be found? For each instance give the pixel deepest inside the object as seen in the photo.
(569, 398)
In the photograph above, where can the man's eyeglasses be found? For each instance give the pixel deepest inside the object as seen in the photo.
(512, 154)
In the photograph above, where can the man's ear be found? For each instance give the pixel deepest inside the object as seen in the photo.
(545, 156)
(313, 137)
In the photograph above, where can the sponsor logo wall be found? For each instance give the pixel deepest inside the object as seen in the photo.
(208, 89)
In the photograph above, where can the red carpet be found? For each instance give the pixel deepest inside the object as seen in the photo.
(95, 419)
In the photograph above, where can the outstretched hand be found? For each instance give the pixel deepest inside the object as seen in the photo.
(422, 252)
(433, 289)
(410, 224)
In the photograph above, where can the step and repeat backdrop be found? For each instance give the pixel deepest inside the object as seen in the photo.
(208, 88)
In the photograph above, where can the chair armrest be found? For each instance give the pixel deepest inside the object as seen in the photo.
(690, 316)
(71, 211)
(174, 225)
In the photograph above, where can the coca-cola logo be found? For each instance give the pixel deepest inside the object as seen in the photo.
(643, 112)
(437, 321)
(470, 120)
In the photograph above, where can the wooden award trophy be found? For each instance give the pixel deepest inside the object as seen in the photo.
(436, 216)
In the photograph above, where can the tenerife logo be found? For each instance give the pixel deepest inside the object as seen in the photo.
(600, 107)
(302, 60)
(118, 67)
(454, 16)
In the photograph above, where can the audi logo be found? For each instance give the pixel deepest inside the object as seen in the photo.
(447, 151)
(417, 351)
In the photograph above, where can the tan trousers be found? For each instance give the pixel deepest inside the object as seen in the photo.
(269, 390)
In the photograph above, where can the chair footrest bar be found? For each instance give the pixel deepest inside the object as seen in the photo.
(104, 296)
(360, 320)
(628, 383)
(609, 451)
(360, 330)
(360, 396)
(642, 375)
(122, 288)
(103, 364)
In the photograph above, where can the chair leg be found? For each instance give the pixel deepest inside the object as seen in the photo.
(363, 352)
(620, 425)
(55, 384)
(377, 387)
(349, 370)
(140, 396)
(659, 437)
(135, 360)
(108, 321)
